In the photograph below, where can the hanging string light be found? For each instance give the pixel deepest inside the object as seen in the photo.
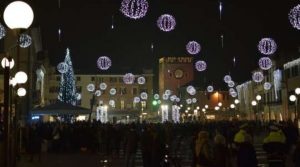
(222, 40)
(227, 78)
(144, 96)
(210, 89)
(220, 9)
(103, 86)
(90, 87)
(141, 80)
(258, 76)
(112, 22)
(62, 67)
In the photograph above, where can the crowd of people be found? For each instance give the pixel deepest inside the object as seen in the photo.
(211, 144)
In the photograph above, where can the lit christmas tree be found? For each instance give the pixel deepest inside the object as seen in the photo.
(67, 87)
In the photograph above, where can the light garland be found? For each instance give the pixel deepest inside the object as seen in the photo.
(194, 100)
(168, 92)
(294, 17)
(265, 63)
(227, 78)
(193, 47)
(156, 96)
(188, 101)
(191, 90)
(166, 22)
(136, 99)
(134, 9)
(175, 114)
(104, 63)
(144, 96)
(200, 65)
(98, 93)
(173, 98)
(165, 97)
(291, 64)
(112, 91)
(231, 84)
(277, 76)
(103, 86)
(267, 46)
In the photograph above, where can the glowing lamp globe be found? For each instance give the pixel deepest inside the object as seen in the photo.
(62, 67)
(258, 76)
(144, 96)
(265, 63)
(21, 77)
(253, 103)
(227, 78)
(267, 86)
(297, 91)
(18, 15)
(2, 31)
(134, 9)
(193, 47)
(232, 106)
(103, 86)
(200, 66)
(236, 101)
(112, 91)
(90, 87)
(21, 92)
(6, 63)
(141, 80)
(103, 63)
(166, 22)
(258, 97)
(294, 17)
(128, 78)
(210, 89)
(267, 46)
(293, 98)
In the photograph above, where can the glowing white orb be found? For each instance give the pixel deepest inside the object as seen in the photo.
(258, 76)
(136, 99)
(24, 41)
(112, 91)
(158, 101)
(128, 78)
(62, 67)
(112, 103)
(233, 94)
(156, 96)
(200, 65)
(227, 78)
(267, 86)
(90, 87)
(165, 97)
(21, 77)
(134, 9)
(210, 89)
(231, 84)
(177, 99)
(267, 46)
(144, 96)
(103, 63)
(193, 47)
(173, 98)
(168, 92)
(191, 90)
(21, 92)
(103, 86)
(166, 22)
(188, 101)
(194, 100)
(98, 93)
(141, 80)
(265, 63)
(294, 17)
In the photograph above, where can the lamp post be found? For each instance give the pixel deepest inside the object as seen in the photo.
(253, 103)
(258, 98)
(293, 98)
(17, 15)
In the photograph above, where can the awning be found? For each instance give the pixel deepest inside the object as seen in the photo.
(60, 108)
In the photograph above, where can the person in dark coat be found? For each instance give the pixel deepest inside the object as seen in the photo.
(131, 146)
(296, 155)
(34, 142)
(221, 152)
(246, 155)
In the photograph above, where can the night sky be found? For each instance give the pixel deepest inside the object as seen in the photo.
(86, 30)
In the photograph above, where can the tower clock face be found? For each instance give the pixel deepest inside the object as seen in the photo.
(178, 73)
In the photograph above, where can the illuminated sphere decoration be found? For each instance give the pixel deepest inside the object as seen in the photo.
(210, 89)
(112, 91)
(265, 63)
(200, 65)
(21, 77)
(177, 99)
(267, 86)
(144, 96)
(141, 80)
(112, 103)
(193, 47)
(24, 41)
(231, 84)
(166, 22)
(134, 9)
(136, 99)
(2, 31)
(156, 96)
(233, 94)
(168, 92)
(188, 101)
(173, 98)
(128, 78)
(103, 86)
(294, 17)
(104, 63)
(194, 100)
(227, 78)
(191, 90)
(165, 97)
(90, 87)
(21, 92)
(258, 76)
(231, 90)
(267, 46)
(98, 93)
(62, 67)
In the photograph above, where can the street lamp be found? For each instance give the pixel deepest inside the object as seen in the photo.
(293, 98)
(236, 101)
(253, 103)
(17, 15)
(220, 104)
(232, 106)
(206, 106)
(258, 98)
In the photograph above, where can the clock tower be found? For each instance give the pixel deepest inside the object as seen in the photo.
(175, 72)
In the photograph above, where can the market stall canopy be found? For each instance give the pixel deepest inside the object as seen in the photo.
(59, 108)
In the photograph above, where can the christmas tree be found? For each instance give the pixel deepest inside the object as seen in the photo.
(67, 88)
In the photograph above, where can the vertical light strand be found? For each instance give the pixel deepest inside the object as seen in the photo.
(220, 9)
(112, 22)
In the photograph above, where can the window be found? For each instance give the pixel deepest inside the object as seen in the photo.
(122, 104)
(58, 78)
(112, 80)
(295, 71)
(78, 78)
(92, 78)
(123, 91)
(101, 79)
(121, 79)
